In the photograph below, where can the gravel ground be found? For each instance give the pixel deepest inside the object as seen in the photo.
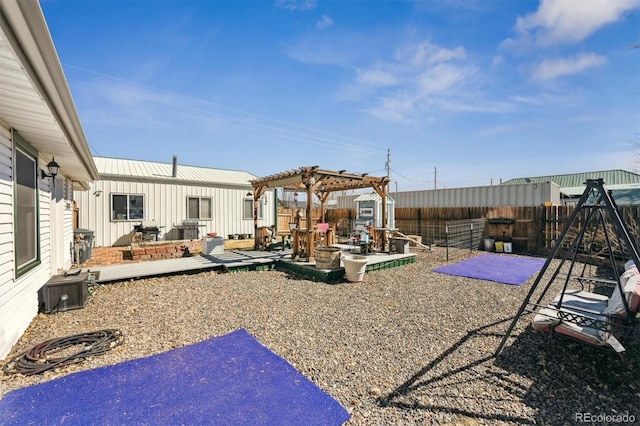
(407, 346)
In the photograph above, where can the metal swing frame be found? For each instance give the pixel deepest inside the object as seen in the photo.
(599, 204)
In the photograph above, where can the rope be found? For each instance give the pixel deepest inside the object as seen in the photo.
(41, 357)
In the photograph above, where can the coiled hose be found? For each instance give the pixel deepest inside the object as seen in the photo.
(41, 357)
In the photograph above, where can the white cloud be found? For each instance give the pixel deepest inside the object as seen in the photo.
(399, 108)
(568, 21)
(324, 22)
(376, 77)
(440, 78)
(419, 77)
(297, 4)
(427, 53)
(557, 67)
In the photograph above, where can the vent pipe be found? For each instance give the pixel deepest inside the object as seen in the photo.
(174, 172)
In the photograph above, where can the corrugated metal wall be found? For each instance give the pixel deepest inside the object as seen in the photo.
(166, 204)
(526, 195)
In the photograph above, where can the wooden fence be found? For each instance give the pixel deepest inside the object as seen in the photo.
(531, 229)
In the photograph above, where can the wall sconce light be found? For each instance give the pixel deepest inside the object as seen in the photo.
(98, 193)
(249, 194)
(295, 197)
(53, 170)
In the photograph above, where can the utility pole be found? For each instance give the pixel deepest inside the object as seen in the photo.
(435, 178)
(388, 163)
(387, 166)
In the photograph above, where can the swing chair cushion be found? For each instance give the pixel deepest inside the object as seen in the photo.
(591, 306)
(630, 282)
(577, 302)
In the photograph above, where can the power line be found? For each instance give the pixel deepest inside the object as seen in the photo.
(409, 179)
(320, 139)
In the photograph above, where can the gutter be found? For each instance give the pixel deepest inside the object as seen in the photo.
(24, 20)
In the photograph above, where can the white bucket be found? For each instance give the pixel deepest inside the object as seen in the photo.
(354, 267)
(488, 244)
(508, 247)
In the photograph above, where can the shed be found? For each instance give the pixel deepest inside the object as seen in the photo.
(369, 210)
(171, 197)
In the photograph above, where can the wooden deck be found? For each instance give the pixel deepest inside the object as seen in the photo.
(229, 260)
(237, 261)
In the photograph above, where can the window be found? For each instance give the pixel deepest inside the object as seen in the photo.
(248, 208)
(26, 211)
(127, 207)
(67, 190)
(199, 208)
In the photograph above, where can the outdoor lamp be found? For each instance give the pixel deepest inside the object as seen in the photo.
(53, 170)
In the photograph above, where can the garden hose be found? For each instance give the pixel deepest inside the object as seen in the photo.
(42, 357)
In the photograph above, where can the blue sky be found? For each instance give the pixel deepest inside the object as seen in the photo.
(462, 92)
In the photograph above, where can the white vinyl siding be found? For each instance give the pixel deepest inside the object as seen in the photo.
(19, 293)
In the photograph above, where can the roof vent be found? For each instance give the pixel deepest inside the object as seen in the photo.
(174, 172)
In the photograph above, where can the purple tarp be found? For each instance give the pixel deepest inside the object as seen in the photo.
(506, 269)
(231, 379)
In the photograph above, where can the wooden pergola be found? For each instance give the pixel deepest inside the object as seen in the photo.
(319, 182)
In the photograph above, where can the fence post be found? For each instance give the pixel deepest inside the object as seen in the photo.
(446, 233)
(470, 237)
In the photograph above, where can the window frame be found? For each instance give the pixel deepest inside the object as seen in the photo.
(20, 147)
(128, 218)
(247, 212)
(199, 198)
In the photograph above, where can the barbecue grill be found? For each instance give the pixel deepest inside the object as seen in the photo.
(148, 229)
(189, 230)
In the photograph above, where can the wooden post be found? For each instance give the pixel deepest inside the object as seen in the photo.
(309, 239)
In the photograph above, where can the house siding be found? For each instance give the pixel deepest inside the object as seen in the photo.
(165, 204)
(19, 295)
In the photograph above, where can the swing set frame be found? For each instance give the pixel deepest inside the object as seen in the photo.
(574, 306)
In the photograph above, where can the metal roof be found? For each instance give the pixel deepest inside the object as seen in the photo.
(371, 196)
(577, 180)
(34, 97)
(123, 169)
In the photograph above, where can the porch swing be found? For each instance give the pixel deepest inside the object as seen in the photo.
(598, 311)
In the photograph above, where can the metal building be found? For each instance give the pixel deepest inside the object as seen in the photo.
(527, 194)
(624, 184)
